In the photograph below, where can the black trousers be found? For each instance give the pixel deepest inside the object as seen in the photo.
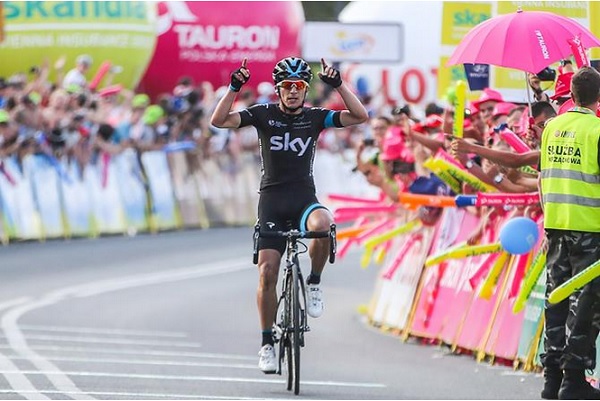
(572, 325)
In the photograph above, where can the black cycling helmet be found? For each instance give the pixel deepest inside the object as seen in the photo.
(292, 68)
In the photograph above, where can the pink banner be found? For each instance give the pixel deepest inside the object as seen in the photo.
(479, 313)
(503, 341)
(462, 292)
(482, 270)
(505, 333)
(439, 303)
(521, 267)
(393, 267)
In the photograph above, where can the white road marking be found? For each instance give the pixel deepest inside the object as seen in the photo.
(18, 343)
(114, 394)
(94, 330)
(17, 379)
(197, 378)
(106, 340)
(147, 362)
(94, 350)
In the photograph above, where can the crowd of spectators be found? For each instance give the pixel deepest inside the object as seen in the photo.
(65, 118)
(57, 111)
(402, 144)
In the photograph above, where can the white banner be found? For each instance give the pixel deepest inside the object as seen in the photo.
(365, 43)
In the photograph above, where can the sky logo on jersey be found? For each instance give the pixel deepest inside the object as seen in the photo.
(284, 143)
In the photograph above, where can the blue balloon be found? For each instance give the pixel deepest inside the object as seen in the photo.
(519, 235)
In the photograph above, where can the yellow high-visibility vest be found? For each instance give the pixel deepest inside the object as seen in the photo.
(570, 172)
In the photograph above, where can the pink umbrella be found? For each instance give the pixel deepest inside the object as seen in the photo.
(525, 40)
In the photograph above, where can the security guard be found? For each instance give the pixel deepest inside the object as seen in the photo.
(570, 192)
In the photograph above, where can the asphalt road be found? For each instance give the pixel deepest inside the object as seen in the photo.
(173, 316)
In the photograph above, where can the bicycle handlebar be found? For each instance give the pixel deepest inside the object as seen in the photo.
(294, 234)
(297, 234)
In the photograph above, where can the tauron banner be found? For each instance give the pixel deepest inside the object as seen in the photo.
(206, 40)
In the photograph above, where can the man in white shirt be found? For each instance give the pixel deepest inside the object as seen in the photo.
(76, 76)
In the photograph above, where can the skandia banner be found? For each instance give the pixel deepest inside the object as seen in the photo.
(207, 40)
(121, 32)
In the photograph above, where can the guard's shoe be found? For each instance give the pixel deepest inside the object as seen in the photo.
(267, 361)
(553, 376)
(314, 300)
(575, 387)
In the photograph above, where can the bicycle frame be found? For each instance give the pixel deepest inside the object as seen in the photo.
(289, 329)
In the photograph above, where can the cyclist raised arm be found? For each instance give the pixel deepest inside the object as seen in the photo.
(288, 133)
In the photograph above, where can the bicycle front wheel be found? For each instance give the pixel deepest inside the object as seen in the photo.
(288, 329)
(295, 337)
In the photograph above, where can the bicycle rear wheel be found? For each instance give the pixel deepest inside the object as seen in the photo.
(295, 337)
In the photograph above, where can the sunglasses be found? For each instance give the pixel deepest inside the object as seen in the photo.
(288, 85)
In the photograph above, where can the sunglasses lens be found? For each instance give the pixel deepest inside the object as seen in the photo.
(300, 85)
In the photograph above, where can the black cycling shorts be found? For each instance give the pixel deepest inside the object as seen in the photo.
(283, 210)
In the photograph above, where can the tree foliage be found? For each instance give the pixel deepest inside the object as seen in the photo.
(323, 10)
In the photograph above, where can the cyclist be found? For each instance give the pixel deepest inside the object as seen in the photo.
(288, 133)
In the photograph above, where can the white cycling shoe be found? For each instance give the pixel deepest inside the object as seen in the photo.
(267, 361)
(314, 300)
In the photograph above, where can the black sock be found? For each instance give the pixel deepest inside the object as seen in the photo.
(267, 337)
(313, 278)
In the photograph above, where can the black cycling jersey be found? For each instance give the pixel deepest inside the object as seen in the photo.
(288, 142)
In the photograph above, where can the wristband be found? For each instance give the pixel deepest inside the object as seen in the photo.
(233, 89)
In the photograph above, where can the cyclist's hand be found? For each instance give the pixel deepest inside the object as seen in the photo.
(330, 75)
(239, 77)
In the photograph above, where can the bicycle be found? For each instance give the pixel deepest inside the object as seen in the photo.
(292, 324)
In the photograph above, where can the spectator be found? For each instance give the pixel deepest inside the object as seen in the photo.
(266, 92)
(380, 129)
(132, 126)
(76, 76)
(486, 103)
(3, 87)
(562, 91)
(500, 113)
(155, 132)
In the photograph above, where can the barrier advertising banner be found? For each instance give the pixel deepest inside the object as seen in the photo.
(76, 201)
(406, 280)
(46, 194)
(441, 301)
